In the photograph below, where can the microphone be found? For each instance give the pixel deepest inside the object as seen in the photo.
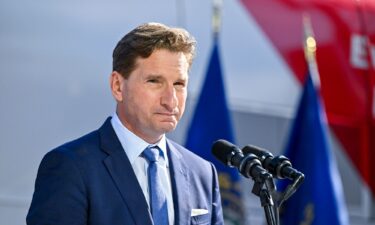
(278, 166)
(248, 165)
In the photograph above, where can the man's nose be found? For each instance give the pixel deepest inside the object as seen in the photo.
(169, 98)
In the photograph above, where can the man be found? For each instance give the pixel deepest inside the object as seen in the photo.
(106, 177)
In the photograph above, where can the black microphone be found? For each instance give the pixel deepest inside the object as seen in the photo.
(278, 166)
(248, 165)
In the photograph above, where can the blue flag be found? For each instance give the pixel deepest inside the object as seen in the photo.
(319, 200)
(211, 121)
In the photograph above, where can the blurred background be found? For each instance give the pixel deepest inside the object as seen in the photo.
(55, 62)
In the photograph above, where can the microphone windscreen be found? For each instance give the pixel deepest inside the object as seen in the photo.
(221, 149)
(255, 150)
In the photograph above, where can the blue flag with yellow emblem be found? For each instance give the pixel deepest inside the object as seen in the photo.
(212, 121)
(319, 200)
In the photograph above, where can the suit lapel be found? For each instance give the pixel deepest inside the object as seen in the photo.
(180, 185)
(123, 175)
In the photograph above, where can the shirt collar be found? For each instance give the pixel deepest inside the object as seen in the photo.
(134, 145)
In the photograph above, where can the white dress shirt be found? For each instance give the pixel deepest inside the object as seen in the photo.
(134, 146)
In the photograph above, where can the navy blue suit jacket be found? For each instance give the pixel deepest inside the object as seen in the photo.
(90, 181)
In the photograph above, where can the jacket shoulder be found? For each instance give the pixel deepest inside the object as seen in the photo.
(81, 145)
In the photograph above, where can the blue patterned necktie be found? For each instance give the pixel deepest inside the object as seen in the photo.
(158, 200)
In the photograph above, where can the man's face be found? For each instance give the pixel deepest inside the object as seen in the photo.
(152, 99)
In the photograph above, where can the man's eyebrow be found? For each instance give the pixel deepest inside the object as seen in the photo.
(154, 76)
(182, 79)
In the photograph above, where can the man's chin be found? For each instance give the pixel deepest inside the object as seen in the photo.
(167, 127)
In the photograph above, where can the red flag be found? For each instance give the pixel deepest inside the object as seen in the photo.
(345, 33)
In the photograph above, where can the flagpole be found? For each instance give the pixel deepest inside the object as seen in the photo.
(309, 47)
(216, 17)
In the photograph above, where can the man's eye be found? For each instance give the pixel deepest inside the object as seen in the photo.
(182, 84)
(153, 81)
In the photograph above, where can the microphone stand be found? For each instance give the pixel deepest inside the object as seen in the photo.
(264, 187)
(290, 189)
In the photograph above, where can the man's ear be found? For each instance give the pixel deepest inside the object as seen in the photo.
(116, 82)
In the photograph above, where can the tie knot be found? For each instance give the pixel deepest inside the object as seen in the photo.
(152, 153)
